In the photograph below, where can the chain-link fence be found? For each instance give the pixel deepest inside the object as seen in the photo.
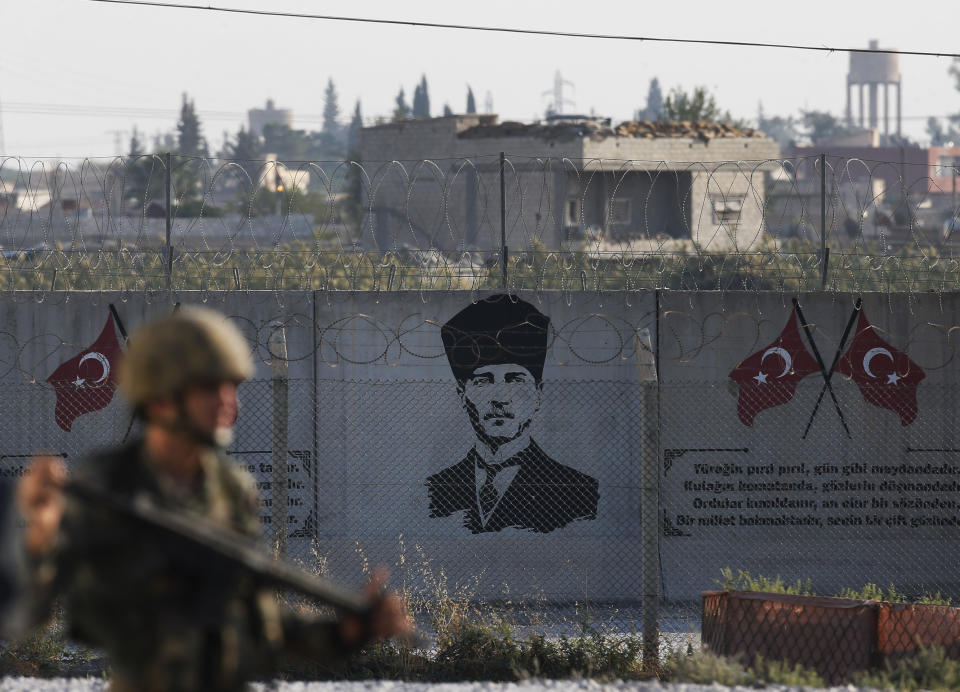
(521, 222)
(779, 463)
(558, 539)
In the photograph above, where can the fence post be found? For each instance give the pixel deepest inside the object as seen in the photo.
(953, 199)
(168, 254)
(824, 250)
(279, 478)
(503, 225)
(649, 495)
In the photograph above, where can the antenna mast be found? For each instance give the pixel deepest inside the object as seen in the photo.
(557, 93)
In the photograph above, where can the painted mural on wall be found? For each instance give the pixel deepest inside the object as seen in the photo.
(88, 381)
(825, 447)
(886, 376)
(496, 349)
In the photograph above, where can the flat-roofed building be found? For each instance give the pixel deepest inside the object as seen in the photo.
(570, 182)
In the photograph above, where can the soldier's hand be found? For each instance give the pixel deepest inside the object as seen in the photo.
(40, 500)
(387, 618)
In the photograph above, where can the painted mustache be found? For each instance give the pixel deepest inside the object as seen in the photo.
(498, 414)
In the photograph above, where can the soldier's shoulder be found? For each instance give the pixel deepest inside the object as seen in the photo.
(241, 489)
(235, 478)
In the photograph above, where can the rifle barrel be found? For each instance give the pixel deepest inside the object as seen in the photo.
(239, 550)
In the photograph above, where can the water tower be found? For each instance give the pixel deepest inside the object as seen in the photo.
(868, 72)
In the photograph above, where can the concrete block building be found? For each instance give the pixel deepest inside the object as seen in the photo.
(569, 183)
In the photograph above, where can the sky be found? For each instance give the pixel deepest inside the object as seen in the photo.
(71, 71)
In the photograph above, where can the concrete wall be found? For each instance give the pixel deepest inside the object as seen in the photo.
(843, 493)
(373, 411)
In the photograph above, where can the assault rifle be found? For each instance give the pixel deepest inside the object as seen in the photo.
(247, 554)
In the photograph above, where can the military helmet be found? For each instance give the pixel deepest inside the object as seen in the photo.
(191, 346)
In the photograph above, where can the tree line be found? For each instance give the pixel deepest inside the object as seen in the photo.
(334, 142)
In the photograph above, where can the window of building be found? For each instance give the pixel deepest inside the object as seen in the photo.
(726, 210)
(573, 212)
(946, 165)
(619, 211)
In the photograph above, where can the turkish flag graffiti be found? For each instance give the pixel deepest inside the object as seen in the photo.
(87, 381)
(770, 376)
(886, 377)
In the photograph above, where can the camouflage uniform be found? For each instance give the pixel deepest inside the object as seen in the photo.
(169, 621)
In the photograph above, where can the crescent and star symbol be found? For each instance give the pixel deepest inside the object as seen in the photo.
(870, 355)
(761, 377)
(104, 363)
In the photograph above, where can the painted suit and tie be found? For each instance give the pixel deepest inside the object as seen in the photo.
(496, 349)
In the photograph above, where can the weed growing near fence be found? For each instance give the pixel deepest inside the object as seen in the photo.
(322, 264)
(473, 640)
(704, 668)
(744, 581)
(42, 653)
(930, 669)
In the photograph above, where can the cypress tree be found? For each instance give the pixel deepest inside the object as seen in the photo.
(424, 110)
(331, 110)
(353, 132)
(402, 110)
(189, 138)
(471, 102)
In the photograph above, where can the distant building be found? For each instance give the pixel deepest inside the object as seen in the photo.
(868, 185)
(261, 117)
(279, 177)
(571, 182)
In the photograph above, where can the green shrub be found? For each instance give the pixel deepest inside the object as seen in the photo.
(744, 581)
(42, 653)
(705, 667)
(930, 669)
(475, 651)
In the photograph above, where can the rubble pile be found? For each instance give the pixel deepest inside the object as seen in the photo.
(597, 129)
(684, 128)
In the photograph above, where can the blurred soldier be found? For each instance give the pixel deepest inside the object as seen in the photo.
(11, 564)
(171, 621)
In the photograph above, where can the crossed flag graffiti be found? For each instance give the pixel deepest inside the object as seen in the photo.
(886, 376)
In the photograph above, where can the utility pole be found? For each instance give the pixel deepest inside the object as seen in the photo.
(953, 193)
(168, 185)
(117, 140)
(824, 250)
(503, 223)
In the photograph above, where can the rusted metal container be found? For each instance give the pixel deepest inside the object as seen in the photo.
(902, 630)
(834, 636)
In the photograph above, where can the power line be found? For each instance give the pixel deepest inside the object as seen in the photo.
(35, 108)
(536, 32)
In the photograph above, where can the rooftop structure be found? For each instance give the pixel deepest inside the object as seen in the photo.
(572, 181)
(261, 117)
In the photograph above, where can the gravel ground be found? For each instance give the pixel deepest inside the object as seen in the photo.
(95, 685)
